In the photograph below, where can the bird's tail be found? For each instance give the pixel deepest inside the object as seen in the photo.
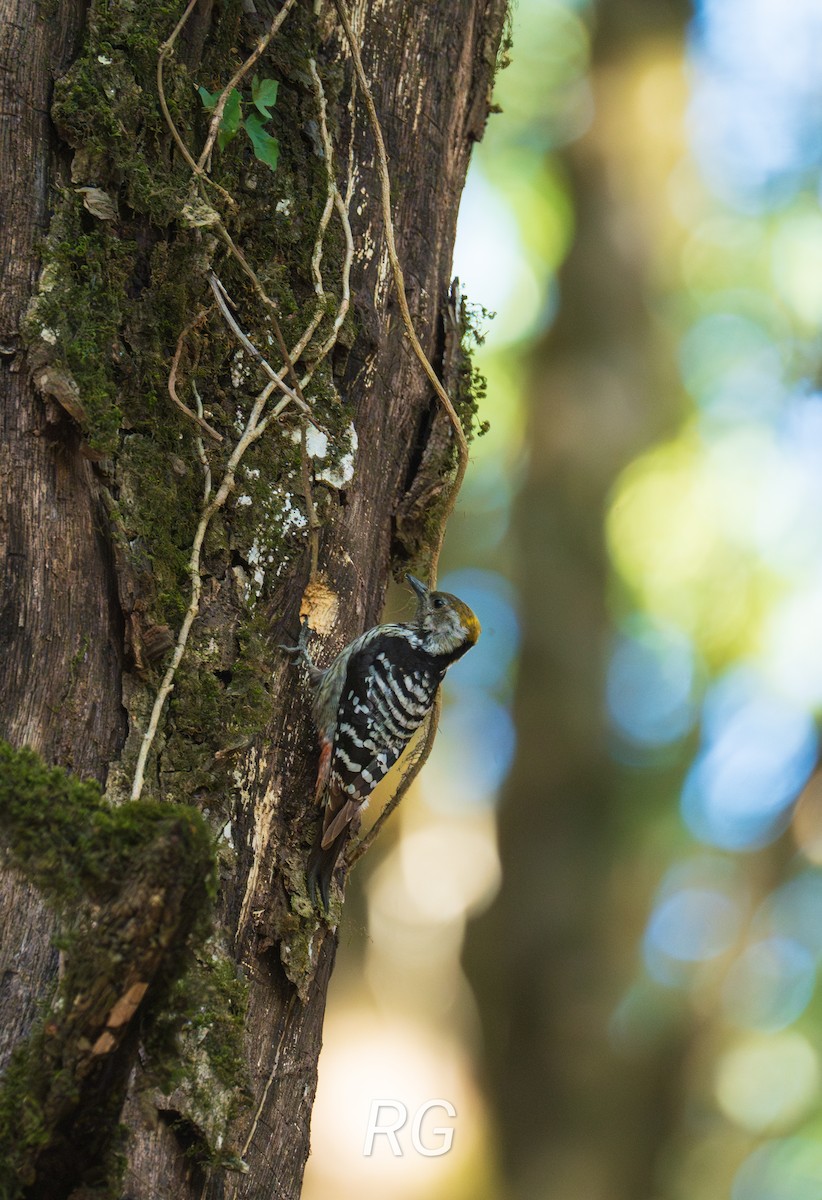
(321, 865)
(337, 825)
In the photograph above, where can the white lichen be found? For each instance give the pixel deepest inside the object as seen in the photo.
(293, 517)
(342, 472)
(254, 558)
(316, 442)
(240, 369)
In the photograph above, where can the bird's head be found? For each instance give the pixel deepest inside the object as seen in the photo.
(446, 623)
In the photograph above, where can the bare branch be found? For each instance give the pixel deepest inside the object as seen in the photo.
(222, 298)
(201, 454)
(172, 380)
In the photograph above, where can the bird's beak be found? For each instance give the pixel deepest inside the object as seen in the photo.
(418, 586)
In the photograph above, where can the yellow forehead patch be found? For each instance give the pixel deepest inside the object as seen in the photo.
(469, 622)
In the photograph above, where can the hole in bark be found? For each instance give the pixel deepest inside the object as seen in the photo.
(420, 442)
(339, 357)
(189, 1138)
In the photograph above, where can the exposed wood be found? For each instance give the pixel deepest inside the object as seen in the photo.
(60, 632)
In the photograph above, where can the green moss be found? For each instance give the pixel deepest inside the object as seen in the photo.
(27, 1124)
(61, 835)
(219, 1018)
(115, 295)
(75, 322)
(106, 105)
(252, 703)
(197, 1053)
(472, 386)
(217, 998)
(92, 863)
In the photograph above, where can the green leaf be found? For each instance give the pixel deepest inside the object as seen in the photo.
(266, 147)
(231, 119)
(208, 98)
(232, 113)
(264, 94)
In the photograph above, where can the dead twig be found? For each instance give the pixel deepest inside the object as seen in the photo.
(166, 49)
(172, 379)
(223, 301)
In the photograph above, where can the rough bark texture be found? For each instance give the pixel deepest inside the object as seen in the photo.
(99, 504)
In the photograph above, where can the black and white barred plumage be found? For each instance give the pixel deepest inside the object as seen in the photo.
(368, 704)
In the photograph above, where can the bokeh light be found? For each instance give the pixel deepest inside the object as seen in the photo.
(497, 268)
(732, 367)
(651, 684)
(792, 910)
(690, 926)
(373, 1056)
(757, 98)
(770, 984)
(714, 533)
(697, 917)
(765, 1084)
(785, 1169)
(758, 751)
(712, 661)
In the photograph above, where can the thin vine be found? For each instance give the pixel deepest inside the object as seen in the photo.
(258, 420)
(257, 423)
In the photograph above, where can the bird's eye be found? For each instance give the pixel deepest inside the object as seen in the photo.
(439, 602)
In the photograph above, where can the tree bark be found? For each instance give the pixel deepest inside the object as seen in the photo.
(102, 490)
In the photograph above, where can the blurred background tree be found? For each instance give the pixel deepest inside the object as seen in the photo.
(638, 1015)
(572, 1120)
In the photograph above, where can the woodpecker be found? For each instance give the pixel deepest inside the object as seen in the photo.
(368, 704)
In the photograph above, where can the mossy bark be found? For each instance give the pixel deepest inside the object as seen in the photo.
(132, 884)
(108, 251)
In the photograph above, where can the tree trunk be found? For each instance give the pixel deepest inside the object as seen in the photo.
(107, 246)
